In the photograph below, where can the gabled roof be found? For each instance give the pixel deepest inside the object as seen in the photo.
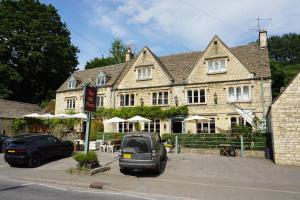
(178, 66)
(90, 75)
(15, 109)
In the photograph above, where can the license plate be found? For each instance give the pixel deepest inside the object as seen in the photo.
(127, 155)
(11, 151)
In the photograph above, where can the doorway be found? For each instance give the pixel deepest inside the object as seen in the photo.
(177, 125)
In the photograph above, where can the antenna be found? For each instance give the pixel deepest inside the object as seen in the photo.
(258, 29)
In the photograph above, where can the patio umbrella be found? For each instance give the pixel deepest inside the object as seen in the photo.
(62, 116)
(197, 118)
(79, 116)
(33, 115)
(138, 119)
(114, 120)
(46, 116)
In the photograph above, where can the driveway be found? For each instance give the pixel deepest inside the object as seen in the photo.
(194, 176)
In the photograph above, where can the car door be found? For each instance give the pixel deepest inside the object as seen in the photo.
(54, 147)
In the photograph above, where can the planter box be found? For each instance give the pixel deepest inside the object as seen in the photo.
(88, 172)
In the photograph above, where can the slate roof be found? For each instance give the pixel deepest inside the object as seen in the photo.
(179, 66)
(15, 109)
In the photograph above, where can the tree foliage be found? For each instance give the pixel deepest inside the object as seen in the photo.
(36, 54)
(117, 55)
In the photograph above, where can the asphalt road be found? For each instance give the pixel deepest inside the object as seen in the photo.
(16, 190)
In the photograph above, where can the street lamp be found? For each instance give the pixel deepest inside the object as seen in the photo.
(176, 100)
(142, 101)
(216, 98)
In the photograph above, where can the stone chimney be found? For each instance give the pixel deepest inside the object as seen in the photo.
(128, 55)
(262, 39)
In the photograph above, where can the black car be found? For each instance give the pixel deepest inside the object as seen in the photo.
(31, 150)
(142, 151)
(3, 139)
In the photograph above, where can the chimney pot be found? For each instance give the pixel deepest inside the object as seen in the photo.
(129, 55)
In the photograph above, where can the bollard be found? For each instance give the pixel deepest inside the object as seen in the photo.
(176, 143)
(242, 146)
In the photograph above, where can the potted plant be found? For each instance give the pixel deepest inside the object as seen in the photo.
(86, 161)
(168, 147)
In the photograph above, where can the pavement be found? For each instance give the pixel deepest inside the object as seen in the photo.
(186, 176)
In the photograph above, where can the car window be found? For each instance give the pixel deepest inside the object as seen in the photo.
(52, 140)
(140, 144)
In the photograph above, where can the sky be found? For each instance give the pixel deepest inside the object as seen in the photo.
(171, 26)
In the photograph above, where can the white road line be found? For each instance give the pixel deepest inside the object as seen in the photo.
(25, 184)
(50, 186)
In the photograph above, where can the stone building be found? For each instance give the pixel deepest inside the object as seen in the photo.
(208, 82)
(10, 110)
(285, 124)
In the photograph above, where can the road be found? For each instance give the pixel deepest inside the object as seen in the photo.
(16, 190)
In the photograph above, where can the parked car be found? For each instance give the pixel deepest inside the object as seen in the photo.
(8, 140)
(142, 151)
(3, 138)
(31, 150)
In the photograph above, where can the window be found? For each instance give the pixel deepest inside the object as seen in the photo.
(125, 127)
(127, 100)
(71, 103)
(239, 93)
(216, 66)
(100, 101)
(235, 121)
(160, 98)
(196, 96)
(101, 79)
(153, 126)
(144, 73)
(72, 83)
(207, 127)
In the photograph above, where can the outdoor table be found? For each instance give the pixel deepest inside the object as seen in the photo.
(227, 150)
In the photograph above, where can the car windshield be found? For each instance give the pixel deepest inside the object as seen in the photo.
(140, 144)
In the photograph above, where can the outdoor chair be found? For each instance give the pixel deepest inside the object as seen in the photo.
(111, 147)
(102, 145)
(94, 145)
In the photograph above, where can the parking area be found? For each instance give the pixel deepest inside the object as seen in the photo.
(196, 176)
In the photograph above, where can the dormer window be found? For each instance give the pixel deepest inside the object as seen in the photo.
(101, 79)
(217, 66)
(144, 73)
(72, 83)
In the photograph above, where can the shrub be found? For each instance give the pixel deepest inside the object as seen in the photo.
(83, 159)
(18, 125)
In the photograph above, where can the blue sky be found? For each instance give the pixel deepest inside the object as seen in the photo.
(171, 26)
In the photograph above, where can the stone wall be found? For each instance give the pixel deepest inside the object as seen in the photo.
(285, 123)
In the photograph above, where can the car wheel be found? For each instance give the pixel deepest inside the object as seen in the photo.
(34, 161)
(13, 164)
(68, 152)
(158, 168)
(165, 155)
(124, 171)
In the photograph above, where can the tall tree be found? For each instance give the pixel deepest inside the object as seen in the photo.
(117, 55)
(36, 54)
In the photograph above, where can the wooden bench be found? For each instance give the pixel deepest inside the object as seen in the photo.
(227, 150)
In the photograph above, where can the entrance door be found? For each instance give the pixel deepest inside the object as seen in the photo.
(177, 126)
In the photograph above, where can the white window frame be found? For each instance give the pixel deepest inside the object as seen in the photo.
(163, 98)
(243, 97)
(71, 103)
(100, 100)
(209, 123)
(131, 101)
(216, 68)
(152, 126)
(72, 83)
(144, 73)
(193, 102)
(101, 79)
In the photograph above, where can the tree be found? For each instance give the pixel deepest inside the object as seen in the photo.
(117, 55)
(36, 54)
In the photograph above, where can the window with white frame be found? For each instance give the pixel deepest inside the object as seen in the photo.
(239, 93)
(216, 66)
(144, 73)
(160, 98)
(153, 126)
(196, 96)
(100, 101)
(124, 127)
(72, 83)
(71, 103)
(101, 79)
(207, 127)
(238, 121)
(126, 100)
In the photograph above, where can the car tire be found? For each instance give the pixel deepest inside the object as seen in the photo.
(158, 168)
(124, 171)
(34, 161)
(164, 155)
(68, 152)
(13, 164)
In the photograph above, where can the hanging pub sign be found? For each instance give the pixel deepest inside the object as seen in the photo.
(90, 97)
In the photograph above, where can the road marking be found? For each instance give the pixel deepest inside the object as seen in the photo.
(25, 184)
(50, 186)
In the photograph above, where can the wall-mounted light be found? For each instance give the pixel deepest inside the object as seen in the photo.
(176, 100)
(216, 98)
(142, 101)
